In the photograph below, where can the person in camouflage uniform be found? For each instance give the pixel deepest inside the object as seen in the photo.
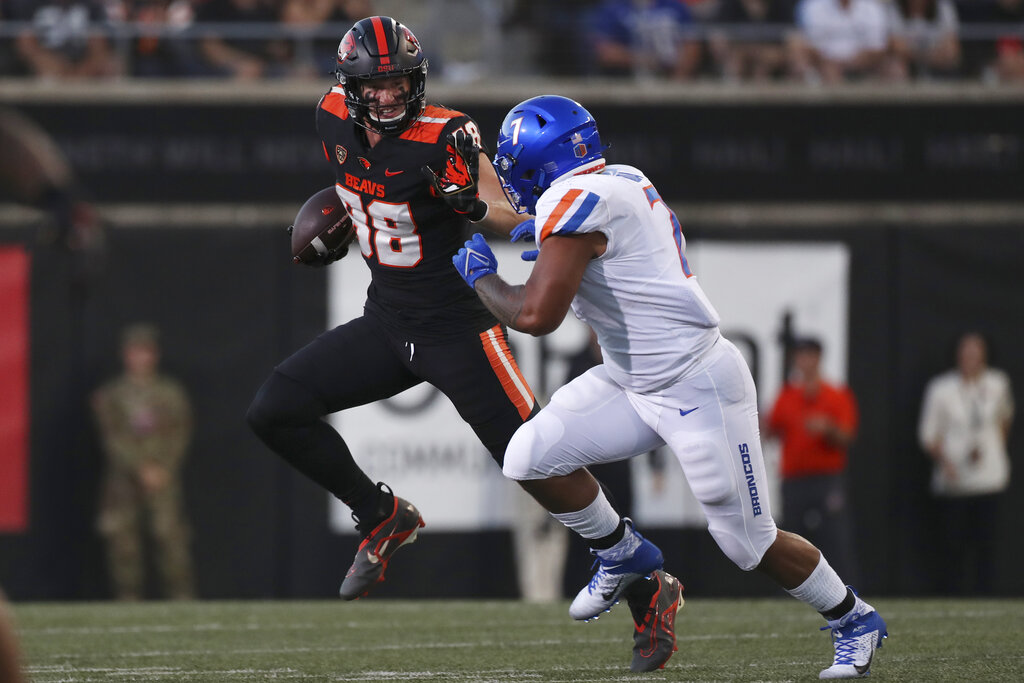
(145, 422)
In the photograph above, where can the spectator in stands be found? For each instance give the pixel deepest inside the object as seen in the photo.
(645, 38)
(69, 39)
(551, 22)
(9, 63)
(1010, 48)
(1001, 59)
(153, 53)
(964, 427)
(244, 58)
(759, 54)
(315, 56)
(926, 35)
(842, 40)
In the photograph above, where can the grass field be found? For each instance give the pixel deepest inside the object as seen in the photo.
(372, 640)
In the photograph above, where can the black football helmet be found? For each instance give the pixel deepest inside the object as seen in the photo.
(380, 47)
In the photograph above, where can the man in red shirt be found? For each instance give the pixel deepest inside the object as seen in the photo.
(816, 422)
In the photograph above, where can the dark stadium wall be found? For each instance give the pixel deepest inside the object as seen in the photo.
(230, 306)
(946, 282)
(808, 148)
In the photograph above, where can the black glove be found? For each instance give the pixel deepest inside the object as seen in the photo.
(458, 184)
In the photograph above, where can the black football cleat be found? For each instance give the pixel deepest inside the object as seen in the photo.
(374, 553)
(654, 602)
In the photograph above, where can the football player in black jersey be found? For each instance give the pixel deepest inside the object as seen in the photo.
(411, 178)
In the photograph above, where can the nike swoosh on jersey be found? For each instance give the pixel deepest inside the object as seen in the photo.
(684, 413)
(389, 172)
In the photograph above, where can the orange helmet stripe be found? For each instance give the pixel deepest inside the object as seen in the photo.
(382, 40)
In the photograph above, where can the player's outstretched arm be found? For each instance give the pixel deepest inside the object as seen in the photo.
(501, 218)
(539, 306)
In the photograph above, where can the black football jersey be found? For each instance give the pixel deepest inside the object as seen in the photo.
(406, 234)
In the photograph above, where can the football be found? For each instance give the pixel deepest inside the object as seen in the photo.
(322, 230)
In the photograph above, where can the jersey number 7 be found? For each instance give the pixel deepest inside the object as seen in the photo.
(677, 230)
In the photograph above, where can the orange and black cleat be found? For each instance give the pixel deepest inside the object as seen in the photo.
(654, 602)
(371, 561)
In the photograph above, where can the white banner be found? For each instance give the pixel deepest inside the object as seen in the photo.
(426, 453)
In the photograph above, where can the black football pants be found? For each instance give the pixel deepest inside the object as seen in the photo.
(360, 362)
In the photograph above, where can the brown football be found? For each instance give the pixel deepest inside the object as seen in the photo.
(322, 230)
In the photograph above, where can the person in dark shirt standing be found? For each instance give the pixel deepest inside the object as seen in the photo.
(411, 177)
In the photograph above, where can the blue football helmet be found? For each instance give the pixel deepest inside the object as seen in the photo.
(540, 140)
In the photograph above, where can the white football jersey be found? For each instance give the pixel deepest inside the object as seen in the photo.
(651, 317)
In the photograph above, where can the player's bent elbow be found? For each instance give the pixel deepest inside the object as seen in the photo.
(536, 326)
(538, 319)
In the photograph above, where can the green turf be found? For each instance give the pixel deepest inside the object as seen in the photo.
(370, 640)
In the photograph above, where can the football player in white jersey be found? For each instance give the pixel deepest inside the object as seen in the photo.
(612, 250)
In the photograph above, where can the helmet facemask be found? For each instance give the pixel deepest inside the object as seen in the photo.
(521, 190)
(364, 110)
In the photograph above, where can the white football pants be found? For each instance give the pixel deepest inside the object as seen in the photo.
(708, 419)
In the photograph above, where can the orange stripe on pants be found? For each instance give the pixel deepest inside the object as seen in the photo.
(504, 366)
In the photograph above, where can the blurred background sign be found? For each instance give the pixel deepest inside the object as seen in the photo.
(695, 148)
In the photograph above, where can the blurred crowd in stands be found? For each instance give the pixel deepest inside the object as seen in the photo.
(806, 41)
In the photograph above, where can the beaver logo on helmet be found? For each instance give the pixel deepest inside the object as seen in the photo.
(346, 47)
(413, 44)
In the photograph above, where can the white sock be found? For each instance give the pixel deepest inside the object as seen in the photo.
(823, 589)
(624, 549)
(597, 520)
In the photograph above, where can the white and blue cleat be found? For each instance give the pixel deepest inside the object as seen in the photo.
(855, 642)
(612, 578)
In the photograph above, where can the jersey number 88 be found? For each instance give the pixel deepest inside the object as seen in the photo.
(384, 229)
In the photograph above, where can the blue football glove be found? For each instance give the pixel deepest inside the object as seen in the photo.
(526, 231)
(475, 260)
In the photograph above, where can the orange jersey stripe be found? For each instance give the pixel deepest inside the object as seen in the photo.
(334, 103)
(422, 131)
(559, 211)
(505, 367)
(430, 124)
(433, 111)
